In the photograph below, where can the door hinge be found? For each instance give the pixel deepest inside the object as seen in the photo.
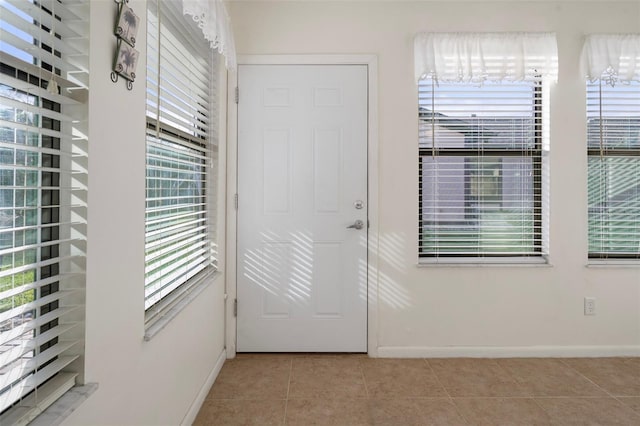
(235, 307)
(235, 201)
(237, 94)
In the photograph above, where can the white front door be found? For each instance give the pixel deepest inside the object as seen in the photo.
(302, 181)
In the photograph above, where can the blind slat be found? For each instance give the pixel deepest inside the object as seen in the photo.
(31, 382)
(58, 8)
(35, 304)
(178, 264)
(38, 33)
(197, 150)
(29, 48)
(65, 98)
(169, 283)
(19, 348)
(30, 326)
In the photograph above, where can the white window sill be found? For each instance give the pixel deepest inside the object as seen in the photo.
(51, 404)
(487, 262)
(64, 406)
(613, 263)
(179, 302)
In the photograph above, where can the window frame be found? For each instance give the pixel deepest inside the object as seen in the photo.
(603, 152)
(43, 346)
(537, 155)
(164, 127)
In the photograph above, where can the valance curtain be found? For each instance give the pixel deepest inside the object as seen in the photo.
(612, 57)
(478, 57)
(213, 20)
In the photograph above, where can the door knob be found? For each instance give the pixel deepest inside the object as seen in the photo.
(358, 224)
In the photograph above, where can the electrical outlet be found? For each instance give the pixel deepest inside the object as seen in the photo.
(589, 305)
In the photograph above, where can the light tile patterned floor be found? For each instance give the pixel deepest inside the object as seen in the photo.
(294, 389)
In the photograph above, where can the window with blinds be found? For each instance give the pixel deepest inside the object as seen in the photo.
(43, 153)
(481, 169)
(181, 145)
(613, 147)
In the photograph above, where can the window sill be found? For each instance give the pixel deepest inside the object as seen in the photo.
(179, 302)
(55, 401)
(64, 406)
(472, 262)
(613, 263)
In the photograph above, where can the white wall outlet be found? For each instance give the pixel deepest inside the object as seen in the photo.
(589, 305)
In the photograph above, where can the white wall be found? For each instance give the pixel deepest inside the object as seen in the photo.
(140, 383)
(469, 310)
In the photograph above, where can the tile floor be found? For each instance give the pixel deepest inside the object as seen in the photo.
(293, 389)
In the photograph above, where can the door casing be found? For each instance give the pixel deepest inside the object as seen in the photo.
(230, 245)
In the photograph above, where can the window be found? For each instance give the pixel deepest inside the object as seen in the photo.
(482, 151)
(480, 169)
(611, 63)
(181, 147)
(43, 63)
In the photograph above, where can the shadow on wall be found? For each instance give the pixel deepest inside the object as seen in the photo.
(390, 292)
(277, 261)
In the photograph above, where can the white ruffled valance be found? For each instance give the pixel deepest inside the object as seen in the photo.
(478, 57)
(213, 20)
(611, 57)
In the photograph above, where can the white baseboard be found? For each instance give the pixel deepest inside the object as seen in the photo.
(197, 404)
(506, 351)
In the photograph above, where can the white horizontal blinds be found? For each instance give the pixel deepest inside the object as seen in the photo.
(482, 145)
(39, 44)
(611, 64)
(180, 119)
(42, 69)
(480, 169)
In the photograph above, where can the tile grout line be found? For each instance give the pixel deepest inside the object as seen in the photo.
(286, 401)
(608, 394)
(364, 380)
(611, 395)
(617, 397)
(438, 379)
(536, 397)
(455, 406)
(366, 392)
(513, 378)
(539, 405)
(563, 361)
(628, 359)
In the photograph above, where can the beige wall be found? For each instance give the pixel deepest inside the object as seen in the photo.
(140, 383)
(470, 310)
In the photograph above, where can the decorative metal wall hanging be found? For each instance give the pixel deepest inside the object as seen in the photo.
(126, 56)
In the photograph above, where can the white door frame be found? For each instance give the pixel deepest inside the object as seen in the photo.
(371, 61)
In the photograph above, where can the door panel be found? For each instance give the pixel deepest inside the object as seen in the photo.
(302, 165)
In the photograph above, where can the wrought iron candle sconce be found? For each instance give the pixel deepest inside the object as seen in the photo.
(126, 56)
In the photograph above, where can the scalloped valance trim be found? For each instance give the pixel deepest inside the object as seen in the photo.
(213, 20)
(611, 57)
(478, 57)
